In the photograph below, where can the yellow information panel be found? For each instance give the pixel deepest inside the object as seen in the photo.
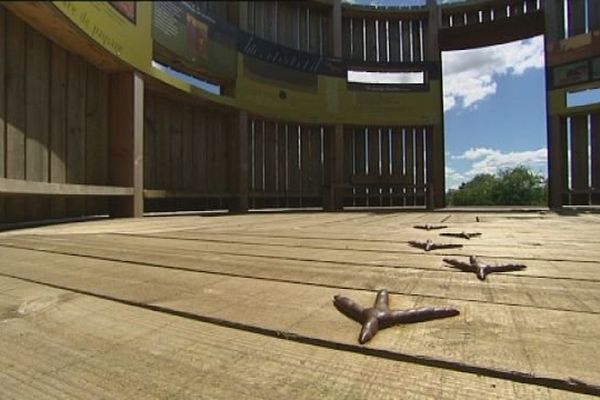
(121, 27)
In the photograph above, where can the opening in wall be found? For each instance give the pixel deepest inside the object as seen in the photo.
(386, 78)
(211, 87)
(583, 97)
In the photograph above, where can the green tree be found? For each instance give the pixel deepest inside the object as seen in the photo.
(512, 186)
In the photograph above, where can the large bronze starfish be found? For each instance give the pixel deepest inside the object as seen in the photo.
(429, 227)
(482, 269)
(463, 234)
(380, 316)
(430, 245)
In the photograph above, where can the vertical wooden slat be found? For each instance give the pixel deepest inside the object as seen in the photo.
(531, 5)
(419, 166)
(373, 162)
(303, 28)
(385, 163)
(326, 39)
(314, 21)
(316, 172)
(37, 119)
(557, 160)
(593, 15)
(430, 173)
(210, 152)
(406, 44)
(96, 144)
(416, 40)
(163, 150)
(486, 15)
(595, 155)
(2, 104)
(294, 178)
(149, 142)
(409, 161)
(221, 165)
(579, 158)
(281, 160)
(371, 40)
(270, 159)
(250, 16)
(305, 163)
(200, 166)
(357, 40)
(473, 17)
(259, 127)
(346, 38)
(287, 25)
(175, 144)
(397, 162)
(394, 31)
(270, 20)
(348, 164)
(360, 163)
(188, 149)
(500, 12)
(458, 19)
(58, 124)
(576, 16)
(259, 18)
(382, 31)
(15, 110)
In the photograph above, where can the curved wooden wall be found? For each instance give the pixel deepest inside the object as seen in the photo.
(88, 126)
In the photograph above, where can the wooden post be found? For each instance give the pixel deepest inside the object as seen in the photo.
(335, 26)
(126, 111)
(239, 163)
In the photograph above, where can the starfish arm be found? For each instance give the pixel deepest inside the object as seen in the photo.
(382, 300)
(369, 329)
(506, 267)
(419, 315)
(446, 246)
(482, 272)
(349, 308)
(416, 243)
(463, 266)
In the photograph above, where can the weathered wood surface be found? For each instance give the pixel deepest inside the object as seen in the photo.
(163, 356)
(276, 274)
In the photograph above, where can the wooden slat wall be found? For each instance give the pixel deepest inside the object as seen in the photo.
(397, 153)
(595, 154)
(583, 173)
(385, 39)
(185, 155)
(473, 14)
(286, 164)
(53, 123)
(292, 24)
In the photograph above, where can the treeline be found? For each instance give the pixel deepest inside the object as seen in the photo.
(513, 186)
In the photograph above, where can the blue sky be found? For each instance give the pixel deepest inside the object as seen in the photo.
(495, 107)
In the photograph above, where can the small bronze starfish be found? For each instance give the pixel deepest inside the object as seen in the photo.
(380, 316)
(429, 245)
(429, 227)
(482, 269)
(463, 234)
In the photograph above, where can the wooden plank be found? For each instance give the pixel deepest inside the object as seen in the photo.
(175, 144)
(314, 28)
(576, 17)
(163, 141)
(221, 167)
(579, 158)
(58, 124)
(358, 44)
(259, 155)
(416, 40)
(230, 298)
(211, 125)
(149, 338)
(383, 40)
(259, 18)
(250, 16)
(371, 40)
(398, 166)
(593, 15)
(394, 33)
(15, 111)
(500, 12)
(373, 163)
(595, 155)
(409, 163)
(531, 6)
(385, 163)
(360, 148)
(294, 176)
(19, 186)
(305, 163)
(303, 28)
(348, 164)
(270, 146)
(3, 40)
(97, 136)
(420, 166)
(406, 51)
(326, 37)
(188, 148)
(316, 164)
(287, 30)
(200, 164)
(270, 9)
(281, 160)
(149, 141)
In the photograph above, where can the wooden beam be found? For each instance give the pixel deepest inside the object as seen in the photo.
(23, 187)
(239, 162)
(557, 161)
(126, 141)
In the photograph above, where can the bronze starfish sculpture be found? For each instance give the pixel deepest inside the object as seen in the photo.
(463, 234)
(429, 227)
(482, 269)
(430, 245)
(380, 316)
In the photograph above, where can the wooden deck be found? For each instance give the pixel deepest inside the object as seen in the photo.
(240, 306)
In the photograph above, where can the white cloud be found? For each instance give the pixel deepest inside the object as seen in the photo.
(490, 161)
(469, 75)
(454, 178)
